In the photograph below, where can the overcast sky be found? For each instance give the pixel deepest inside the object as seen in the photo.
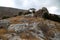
(52, 5)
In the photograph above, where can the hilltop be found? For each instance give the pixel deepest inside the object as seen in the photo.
(35, 25)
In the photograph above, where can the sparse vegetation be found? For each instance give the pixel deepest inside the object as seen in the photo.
(15, 15)
(4, 17)
(52, 17)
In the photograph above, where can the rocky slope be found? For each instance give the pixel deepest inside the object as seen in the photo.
(30, 27)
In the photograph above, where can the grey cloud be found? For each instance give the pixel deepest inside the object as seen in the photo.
(38, 4)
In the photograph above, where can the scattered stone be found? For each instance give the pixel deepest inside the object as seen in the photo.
(57, 36)
(4, 23)
(18, 27)
(15, 38)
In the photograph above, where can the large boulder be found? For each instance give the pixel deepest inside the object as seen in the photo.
(41, 12)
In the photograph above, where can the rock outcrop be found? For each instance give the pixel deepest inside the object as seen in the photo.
(44, 13)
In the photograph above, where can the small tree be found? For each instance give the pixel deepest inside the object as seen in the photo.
(33, 10)
(20, 13)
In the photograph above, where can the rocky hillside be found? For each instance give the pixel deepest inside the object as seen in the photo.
(29, 28)
(34, 26)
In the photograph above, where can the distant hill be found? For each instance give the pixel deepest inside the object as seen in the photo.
(7, 11)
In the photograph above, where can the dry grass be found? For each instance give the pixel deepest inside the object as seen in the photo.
(24, 35)
(3, 31)
(18, 19)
